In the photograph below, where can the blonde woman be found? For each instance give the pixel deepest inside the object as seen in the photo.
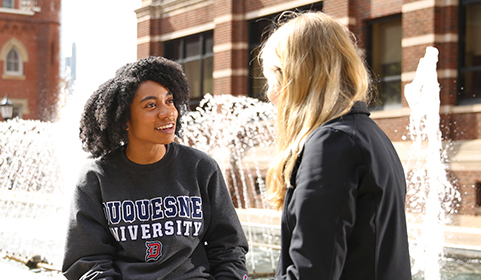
(336, 175)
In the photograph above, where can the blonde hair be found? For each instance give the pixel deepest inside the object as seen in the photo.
(320, 75)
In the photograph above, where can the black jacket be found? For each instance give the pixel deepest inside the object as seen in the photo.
(345, 217)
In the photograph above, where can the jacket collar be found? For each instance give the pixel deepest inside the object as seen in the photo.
(359, 108)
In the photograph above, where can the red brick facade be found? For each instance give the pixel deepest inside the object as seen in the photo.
(424, 23)
(35, 32)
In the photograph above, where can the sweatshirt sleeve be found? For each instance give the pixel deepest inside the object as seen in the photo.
(89, 245)
(321, 212)
(226, 243)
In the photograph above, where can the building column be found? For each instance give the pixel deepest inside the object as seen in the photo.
(230, 48)
(149, 27)
(431, 23)
(342, 10)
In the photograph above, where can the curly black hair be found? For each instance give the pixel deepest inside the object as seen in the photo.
(104, 120)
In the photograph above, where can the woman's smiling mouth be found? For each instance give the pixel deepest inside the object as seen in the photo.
(165, 127)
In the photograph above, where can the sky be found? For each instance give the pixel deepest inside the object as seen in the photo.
(105, 33)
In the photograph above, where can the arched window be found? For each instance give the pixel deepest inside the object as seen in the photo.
(14, 65)
(14, 55)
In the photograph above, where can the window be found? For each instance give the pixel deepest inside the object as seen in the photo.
(14, 55)
(10, 4)
(469, 80)
(14, 64)
(477, 187)
(17, 111)
(258, 28)
(257, 81)
(384, 55)
(28, 5)
(196, 54)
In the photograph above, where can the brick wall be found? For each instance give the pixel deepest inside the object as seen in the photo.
(466, 185)
(25, 88)
(395, 128)
(466, 126)
(422, 26)
(254, 5)
(40, 35)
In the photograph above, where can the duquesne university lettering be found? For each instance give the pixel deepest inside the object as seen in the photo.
(154, 230)
(158, 217)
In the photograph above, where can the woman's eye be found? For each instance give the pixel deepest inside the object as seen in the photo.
(150, 105)
(170, 101)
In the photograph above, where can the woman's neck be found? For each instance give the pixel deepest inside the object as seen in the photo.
(145, 155)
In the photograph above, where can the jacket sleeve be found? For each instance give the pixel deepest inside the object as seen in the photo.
(321, 213)
(226, 244)
(89, 245)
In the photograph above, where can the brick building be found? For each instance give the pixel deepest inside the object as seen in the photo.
(29, 56)
(216, 40)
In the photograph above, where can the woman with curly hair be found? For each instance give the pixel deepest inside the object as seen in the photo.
(336, 175)
(146, 207)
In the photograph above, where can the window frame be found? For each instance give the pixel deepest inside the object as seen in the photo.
(202, 56)
(369, 59)
(462, 70)
(8, 4)
(19, 63)
(477, 194)
(255, 42)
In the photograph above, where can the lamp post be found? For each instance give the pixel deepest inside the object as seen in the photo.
(6, 108)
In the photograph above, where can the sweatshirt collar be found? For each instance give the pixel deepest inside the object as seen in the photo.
(141, 168)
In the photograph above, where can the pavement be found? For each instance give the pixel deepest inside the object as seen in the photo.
(462, 239)
(462, 236)
(11, 270)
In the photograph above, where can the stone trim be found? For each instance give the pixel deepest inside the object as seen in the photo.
(228, 18)
(277, 8)
(230, 46)
(442, 74)
(348, 20)
(176, 34)
(19, 12)
(423, 4)
(429, 39)
(226, 73)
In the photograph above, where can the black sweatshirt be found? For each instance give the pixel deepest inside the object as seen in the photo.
(345, 217)
(173, 219)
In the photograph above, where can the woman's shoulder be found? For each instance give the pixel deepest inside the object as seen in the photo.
(183, 148)
(348, 125)
(334, 128)
(189, 152)
(98, 165)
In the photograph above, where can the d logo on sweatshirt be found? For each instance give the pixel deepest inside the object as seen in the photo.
(154, 250)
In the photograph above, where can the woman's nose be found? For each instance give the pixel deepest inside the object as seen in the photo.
(166, 111)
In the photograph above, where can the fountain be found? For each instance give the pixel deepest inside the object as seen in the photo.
(431, 196)
(238, 132)
(230, 128)
(39, 163)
